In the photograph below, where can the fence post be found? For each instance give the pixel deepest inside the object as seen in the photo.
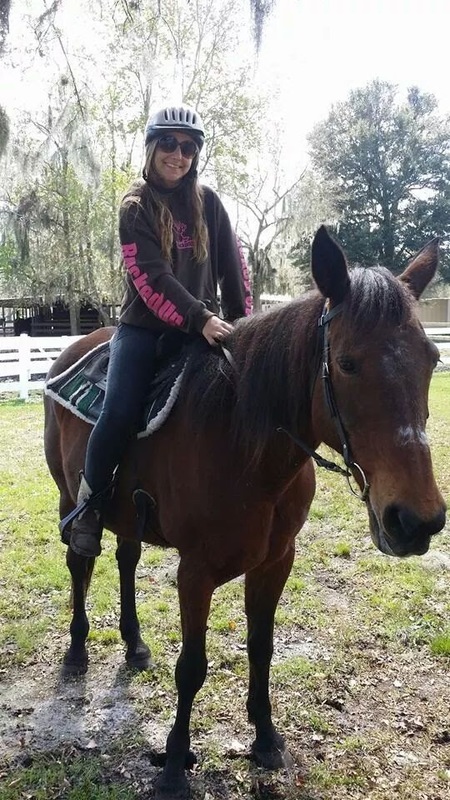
(24, 365)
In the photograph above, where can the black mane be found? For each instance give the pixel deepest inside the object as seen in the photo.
(377, 297)
(277, 356)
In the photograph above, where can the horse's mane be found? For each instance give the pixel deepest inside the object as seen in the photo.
(377, 297)
(277, 356)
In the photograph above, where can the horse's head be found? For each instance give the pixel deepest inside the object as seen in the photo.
(380, 367)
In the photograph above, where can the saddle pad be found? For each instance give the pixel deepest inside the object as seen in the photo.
(81, 388)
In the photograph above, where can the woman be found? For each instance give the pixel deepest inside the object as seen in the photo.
(178, 246)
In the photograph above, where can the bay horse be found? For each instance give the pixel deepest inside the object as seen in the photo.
(232, 475)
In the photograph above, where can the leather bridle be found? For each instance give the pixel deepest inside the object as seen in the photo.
(330, 398)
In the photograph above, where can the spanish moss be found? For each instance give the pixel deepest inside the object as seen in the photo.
(4, 130)
(260, 11)
(5, 6)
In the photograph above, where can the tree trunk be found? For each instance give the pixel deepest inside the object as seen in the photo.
(257, 288)
(105, 317)
(387, 233)
(74, 317)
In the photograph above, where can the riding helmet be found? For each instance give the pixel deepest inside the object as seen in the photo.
(174, 118)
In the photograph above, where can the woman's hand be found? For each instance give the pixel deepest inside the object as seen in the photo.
(216, 329)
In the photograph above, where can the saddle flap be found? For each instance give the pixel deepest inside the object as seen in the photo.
(96, 371)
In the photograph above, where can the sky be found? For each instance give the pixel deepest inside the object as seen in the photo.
(314, 52)
(317, 51)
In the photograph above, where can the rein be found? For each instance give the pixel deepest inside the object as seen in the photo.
(323, 324)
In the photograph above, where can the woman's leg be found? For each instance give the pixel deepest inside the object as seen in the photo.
(130, 372)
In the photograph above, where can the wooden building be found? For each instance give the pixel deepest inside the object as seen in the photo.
(28, 316)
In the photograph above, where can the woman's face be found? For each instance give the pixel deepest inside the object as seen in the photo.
(171, 167)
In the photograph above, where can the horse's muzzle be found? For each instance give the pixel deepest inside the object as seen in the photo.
(401, 532)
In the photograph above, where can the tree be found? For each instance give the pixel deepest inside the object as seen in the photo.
(310, 205)
(260, 9)
(4, 27)
(388, 166)
(264, 215)
(70, 159)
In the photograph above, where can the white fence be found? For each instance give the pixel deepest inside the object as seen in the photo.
(25, 360)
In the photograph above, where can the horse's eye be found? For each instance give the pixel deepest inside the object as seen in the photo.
(347, 365)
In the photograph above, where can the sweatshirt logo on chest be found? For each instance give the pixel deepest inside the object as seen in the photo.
(182, 239)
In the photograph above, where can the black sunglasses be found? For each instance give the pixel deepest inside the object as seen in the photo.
(168, 144)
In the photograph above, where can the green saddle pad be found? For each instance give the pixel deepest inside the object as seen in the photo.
(81, 388)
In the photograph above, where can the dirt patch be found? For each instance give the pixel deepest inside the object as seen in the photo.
(384, 718)
(39, 710)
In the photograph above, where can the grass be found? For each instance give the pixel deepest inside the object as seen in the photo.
(360, 673)
(48, 778)
(440, 645)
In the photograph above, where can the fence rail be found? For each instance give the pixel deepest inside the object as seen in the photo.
(25, 360)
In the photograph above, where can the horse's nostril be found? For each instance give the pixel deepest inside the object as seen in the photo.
(400, 521)
(392, 522)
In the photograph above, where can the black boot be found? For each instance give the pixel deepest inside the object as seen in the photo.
(87, 528)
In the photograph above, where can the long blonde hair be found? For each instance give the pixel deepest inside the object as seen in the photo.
(192, 193)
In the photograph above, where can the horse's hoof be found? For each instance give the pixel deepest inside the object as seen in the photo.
(278, 758)
(140, 658)
(172, 790)
(75, 665)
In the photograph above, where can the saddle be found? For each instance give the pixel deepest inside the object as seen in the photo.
(81, 388)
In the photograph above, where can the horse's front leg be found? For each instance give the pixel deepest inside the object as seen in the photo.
(81, 568)
(195, 591)
(263, 588)
(137, 655)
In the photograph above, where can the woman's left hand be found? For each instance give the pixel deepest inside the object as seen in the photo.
(216, 329)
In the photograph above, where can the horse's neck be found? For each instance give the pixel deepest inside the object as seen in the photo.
(276, 357)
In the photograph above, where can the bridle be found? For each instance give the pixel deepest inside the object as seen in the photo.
(351, 465)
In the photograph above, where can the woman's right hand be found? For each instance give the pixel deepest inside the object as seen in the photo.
(216, 329)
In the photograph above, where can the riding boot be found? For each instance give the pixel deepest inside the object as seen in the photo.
(87, 528)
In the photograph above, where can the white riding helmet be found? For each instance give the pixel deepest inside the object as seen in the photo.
(180, 118)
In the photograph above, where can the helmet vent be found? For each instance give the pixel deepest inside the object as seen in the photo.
(173, 118)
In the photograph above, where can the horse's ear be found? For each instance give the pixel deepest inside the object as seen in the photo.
(328, 266)
(422, 268)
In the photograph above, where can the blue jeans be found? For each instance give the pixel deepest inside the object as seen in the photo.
(130, 372)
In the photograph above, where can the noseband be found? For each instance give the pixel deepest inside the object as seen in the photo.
(351, 465)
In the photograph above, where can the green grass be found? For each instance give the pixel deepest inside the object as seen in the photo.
(50, 778)
(440, 644)
(360, 640)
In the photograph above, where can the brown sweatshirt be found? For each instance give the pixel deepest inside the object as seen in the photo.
(182, 295)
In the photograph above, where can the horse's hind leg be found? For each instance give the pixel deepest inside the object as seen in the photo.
(137, 654)
(76, 658)
(263, 587)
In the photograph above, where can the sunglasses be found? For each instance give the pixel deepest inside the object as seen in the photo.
(168, 144)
